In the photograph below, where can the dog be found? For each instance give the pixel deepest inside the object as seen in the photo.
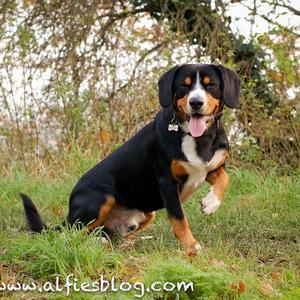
(164, 163)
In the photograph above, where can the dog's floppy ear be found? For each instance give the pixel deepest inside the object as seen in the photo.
(165, 87)
(231, 87)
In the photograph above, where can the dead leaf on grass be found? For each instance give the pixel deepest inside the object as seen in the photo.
(276, 275)
(216, 263)
(266, 288)
(234, 268)
(240, 287)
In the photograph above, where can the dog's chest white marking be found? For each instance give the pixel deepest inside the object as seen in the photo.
(196, 168)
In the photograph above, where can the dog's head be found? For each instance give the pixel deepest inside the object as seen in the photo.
(198, 93)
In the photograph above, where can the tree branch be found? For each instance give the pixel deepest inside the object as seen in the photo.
(156, 47)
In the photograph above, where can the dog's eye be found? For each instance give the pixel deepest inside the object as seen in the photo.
(186, 86)
(211, 84)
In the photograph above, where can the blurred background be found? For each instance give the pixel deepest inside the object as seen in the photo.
(81, 76)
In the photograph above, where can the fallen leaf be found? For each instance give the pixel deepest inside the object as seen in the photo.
(217, 263)
(266, 288)
(57, 211)
(242, 287)
(234, 267)
(276, 275)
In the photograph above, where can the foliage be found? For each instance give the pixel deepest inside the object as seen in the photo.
(208, 283)
(63, 253)
(85, 73)
(251, 244)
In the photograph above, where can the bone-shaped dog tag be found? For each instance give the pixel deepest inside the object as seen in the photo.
(173, 127)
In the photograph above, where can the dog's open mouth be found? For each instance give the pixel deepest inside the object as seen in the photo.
(198, 124)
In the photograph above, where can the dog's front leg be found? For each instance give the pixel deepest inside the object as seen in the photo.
(219, 182)
(180, 225)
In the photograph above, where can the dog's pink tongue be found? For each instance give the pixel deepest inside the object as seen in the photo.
(197, 126)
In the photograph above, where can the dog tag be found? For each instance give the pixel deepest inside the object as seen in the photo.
(173, 127)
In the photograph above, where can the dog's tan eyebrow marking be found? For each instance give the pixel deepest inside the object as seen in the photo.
(206, 80)
(188, 80)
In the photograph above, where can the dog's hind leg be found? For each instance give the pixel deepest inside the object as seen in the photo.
(91, 210)
(149, 217)
(104, 211)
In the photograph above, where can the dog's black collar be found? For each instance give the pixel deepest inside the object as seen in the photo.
(174, 125)
(217, 119)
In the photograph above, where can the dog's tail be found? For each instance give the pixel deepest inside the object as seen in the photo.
(33, 217)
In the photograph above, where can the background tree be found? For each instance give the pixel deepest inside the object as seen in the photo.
(84, 73)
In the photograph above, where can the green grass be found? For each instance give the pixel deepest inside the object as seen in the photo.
(251, 244)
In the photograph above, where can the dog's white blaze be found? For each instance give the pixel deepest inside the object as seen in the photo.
(121, 218)
(196, 167)
(198, 92)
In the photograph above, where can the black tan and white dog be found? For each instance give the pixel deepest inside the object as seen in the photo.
(164, 163)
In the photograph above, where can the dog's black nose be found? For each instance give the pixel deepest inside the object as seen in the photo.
(195, 103)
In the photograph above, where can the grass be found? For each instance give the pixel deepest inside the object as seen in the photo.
(252, 243)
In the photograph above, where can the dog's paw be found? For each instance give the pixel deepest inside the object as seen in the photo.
(194, 250)
(191, 250)
(210, 203)
(197, 247)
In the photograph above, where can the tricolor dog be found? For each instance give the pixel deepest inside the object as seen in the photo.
(164, 163)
